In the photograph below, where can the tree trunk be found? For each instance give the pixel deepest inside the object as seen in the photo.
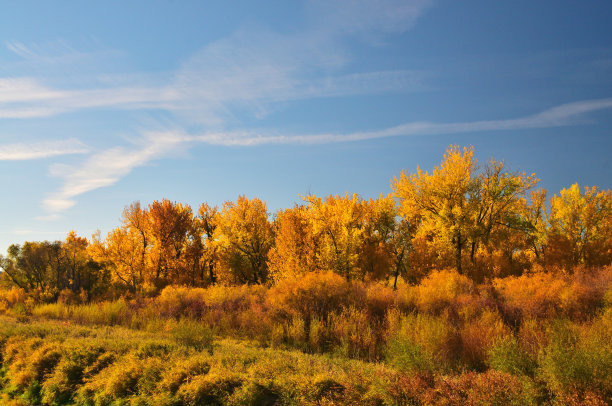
(458, 250)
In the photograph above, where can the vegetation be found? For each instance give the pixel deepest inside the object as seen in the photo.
(463, 286)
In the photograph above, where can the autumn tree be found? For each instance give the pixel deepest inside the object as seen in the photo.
(498, 199)
(123, 255)
(535, 213)
(463, 209)
(294, 252)
(204, 247)
(355, 238)
(385, 241)
(137, 227)
(441, 199)
(169, 230)
(81, 270)
(337, 223)
(51, 267)
(388, 241)
(29, 265)
(580, 228)
(245, 237)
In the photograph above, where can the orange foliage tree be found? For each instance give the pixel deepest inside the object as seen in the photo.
(295, 249)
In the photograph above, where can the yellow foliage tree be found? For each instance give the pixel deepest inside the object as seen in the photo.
(338, 226)
(122, 253)
(294, 251)
(456, 208)
(580, 228)
(245, 237)
(441, 199)
(207, 222)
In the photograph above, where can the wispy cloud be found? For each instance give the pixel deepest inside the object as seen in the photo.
(109, 166)
(367, 17)
(250, 71)
(41, 149)
(106, 167)
(27, 98)
(245, 75)
(559, 116)
(213, 85)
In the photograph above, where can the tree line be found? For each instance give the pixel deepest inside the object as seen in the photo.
(484, 221)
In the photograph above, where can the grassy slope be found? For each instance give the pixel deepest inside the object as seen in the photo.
(53, 362)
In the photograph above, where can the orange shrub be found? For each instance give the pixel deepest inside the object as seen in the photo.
(316, 294)
(587, 292)
(438, 290)
(356, 335)
(478, 336)
(10, 298)
(532, 296)
(489, 388)
(379, 299)
(548, 295)
(176, 301)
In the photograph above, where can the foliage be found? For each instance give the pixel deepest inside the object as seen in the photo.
(463, 287)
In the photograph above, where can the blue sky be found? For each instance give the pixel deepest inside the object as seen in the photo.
(105, 103)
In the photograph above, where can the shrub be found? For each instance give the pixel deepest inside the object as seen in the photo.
(177, 301)
(533, 337)
(546, 295)
(478, 335)
(532, 296)
(59, 387)
(43, 360)
(67, 296)
(127, 377)
(422, 343)
(492, 388)
(506, 355)
(325, 389)
(379, 299)
(355, 334)
(438, 290)
(256, 394)
(579, 360)
(184, 371)
(11, 297)
(211, 389)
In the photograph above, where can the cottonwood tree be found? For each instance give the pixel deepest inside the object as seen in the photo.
(461, 209)
(337, 223)
(580, 228)
(207, 223)
(245, 237)
(441, 199)
(294, 252)
(170, 224)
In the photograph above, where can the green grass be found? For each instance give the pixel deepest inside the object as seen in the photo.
(57, 363)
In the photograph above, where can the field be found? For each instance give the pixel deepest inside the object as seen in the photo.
(444, 341)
